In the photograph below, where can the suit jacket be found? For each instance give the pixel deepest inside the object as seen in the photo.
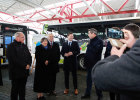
(93, 53)
(70, 63)
(120, 75)
(54, 58)
(18, 57)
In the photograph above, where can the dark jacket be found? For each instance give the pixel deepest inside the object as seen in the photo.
(1, 82)
(18, 57)
(41, 70)
(70, 63)
(93, 53)
(54, 58)
(120, 75)
(108, 49)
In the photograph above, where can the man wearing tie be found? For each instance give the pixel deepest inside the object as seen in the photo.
(53, 67)
(70, 50)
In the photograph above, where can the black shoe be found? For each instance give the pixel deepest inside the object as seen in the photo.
(100, 98)
(85, 96)
(39, 98)
(52, 93)
(42, 98)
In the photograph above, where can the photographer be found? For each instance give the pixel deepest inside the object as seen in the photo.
(119, 73)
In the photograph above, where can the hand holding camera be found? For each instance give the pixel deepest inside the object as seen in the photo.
(118, 52)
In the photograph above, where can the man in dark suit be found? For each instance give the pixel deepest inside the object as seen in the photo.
(19, 59)
(92, 56)
(70, 50)
(53, 66)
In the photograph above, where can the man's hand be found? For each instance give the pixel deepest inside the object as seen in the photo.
(66, 54)
(28, 66)
(46, 62)
(70, 53)
(118, 52)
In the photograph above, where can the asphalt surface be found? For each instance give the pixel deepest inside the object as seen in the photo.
(30, 95)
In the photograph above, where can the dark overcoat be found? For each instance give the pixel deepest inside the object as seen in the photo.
(93, 53)
(41, 70)
(70, 63)
(53, 66)
(18, 57)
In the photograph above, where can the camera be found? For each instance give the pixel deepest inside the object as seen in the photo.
(115, 34)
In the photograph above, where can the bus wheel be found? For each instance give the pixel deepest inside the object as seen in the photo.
(81, 62)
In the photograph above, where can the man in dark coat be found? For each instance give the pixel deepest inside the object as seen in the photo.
(19, 59)
(70, 50)
(92, 56)
(119, 73)
(53, 66)
(1, 82)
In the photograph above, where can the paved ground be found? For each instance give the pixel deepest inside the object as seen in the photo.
(30, 95)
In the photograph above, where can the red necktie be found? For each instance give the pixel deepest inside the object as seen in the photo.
(51, 44)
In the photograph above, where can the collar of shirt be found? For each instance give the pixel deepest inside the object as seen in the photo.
(69, 42)
(51, 43)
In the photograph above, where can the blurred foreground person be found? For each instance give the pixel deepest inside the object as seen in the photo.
(19, 59)
(119, 73)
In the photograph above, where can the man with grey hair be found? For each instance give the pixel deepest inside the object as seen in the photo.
(19, 59)
(53, 66)
(92, 56)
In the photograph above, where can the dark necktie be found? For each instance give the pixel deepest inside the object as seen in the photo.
(51, 44)
(69, 43)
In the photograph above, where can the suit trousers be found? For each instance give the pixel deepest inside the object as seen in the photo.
(88, 82)
(18, 88)
(89, 85)
(74, 75)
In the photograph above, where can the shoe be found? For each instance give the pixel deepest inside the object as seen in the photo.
(85, 96)
(48, 93)
(100, 98)
(52, 93)
(42, 98)
(76, 92)
(66, 91)
(39, 98)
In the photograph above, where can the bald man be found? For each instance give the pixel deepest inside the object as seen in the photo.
(19, 59)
